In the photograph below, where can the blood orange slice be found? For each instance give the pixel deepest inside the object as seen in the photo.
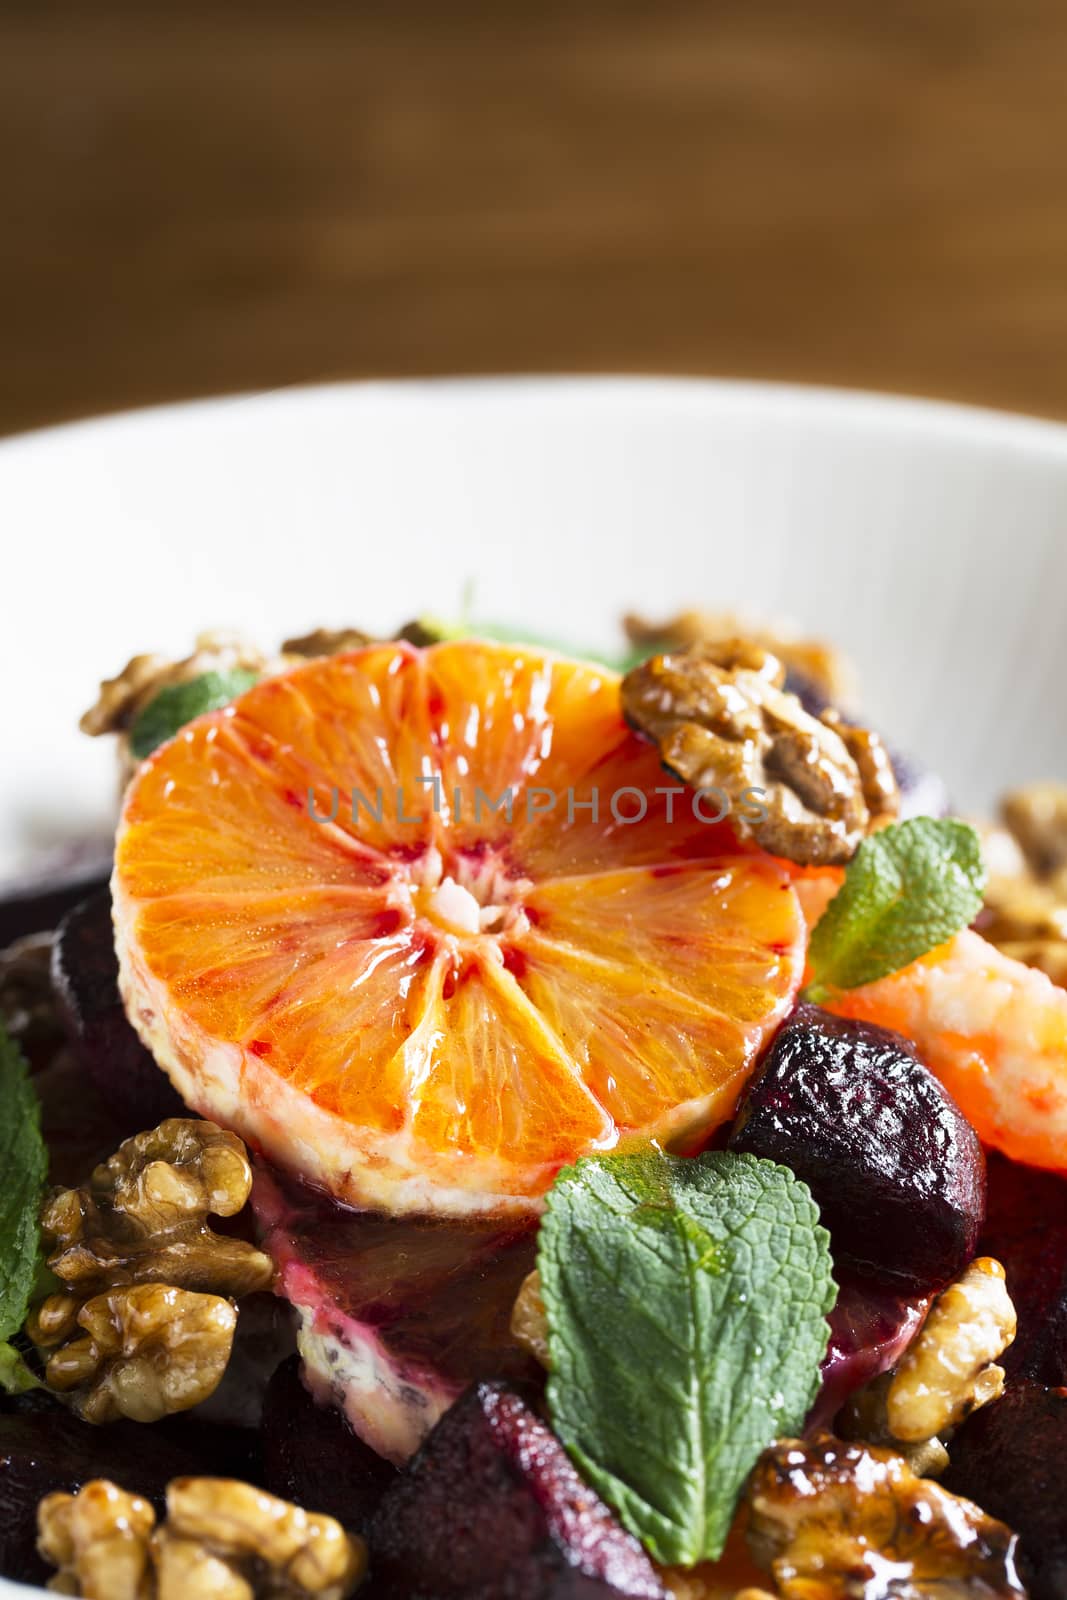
(426, 925)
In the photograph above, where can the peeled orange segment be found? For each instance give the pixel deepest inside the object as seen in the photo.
(337, 946)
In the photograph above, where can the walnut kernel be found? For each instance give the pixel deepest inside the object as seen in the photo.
(142, 1216)
(98, 1538)
(827, 1519)
(147, 1350)
(723, 721)
(950, 1368)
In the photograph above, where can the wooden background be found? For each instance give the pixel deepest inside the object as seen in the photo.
(202, 195)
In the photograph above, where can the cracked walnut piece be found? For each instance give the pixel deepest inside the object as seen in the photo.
(723, 721)
(222, 1540)
(144, 1324)
(819, 664)
(146, 1351)
(98, 1538)
(529, 1319)
(142, 1216)
(1025, 912)
(837, 1521)
(948, 1371)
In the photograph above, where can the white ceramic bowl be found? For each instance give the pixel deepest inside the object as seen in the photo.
(930, 541)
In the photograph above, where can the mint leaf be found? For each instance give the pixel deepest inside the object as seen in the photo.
(15, 1375)
(23, 1165)
(178, 703)
(686, 1304)
(907, 889)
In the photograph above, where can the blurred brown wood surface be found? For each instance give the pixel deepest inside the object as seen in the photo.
(199, 196)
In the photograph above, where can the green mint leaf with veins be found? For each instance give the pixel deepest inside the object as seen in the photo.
(178, 703)
(686, 1303)
(907, 889)
(23, 1166)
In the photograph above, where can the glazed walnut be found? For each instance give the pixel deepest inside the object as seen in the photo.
(819, 664)
(142, 1217)
(723, 721)
(275, 1548)
(326, 642)
(221, 1540)
(948, 1371)
(529, 1320)
(144, 1322)
(950, 1368)
(99, 1540)
(836, 1521)
(1025, 912)
(144, 1352)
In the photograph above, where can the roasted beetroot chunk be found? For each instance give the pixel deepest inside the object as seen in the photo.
(897, 1171)
(492, 1509)
(870, 1328)
(85, 974)
(312, 1457)
(1027, 1231)
(1011, 1457)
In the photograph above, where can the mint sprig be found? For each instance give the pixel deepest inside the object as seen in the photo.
(686, 1304)
(178, 703)
(907, 889)
(23, 1166)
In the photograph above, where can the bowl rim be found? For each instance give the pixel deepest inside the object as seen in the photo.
(870, 410)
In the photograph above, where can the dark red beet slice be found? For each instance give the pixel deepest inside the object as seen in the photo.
(870, 1328)
(492, 1509)
(397, 1315)
(43, 1447)
(1011, 1458)
(1027, 1231)
(896, 1169)
(312, 1457)
(85, 975)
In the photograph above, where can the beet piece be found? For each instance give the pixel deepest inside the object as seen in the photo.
(870, 1328)
(1011, 1458)
(85, 973)
(398, 1314)
(1026, 1230)
(492, 1509)
(312, 1457)
(897, 1171)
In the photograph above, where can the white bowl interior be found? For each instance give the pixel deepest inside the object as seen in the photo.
(931, 542)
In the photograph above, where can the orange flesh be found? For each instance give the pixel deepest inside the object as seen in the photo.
(470, 1001)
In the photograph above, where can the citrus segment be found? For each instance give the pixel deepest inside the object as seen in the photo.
(423, 1002)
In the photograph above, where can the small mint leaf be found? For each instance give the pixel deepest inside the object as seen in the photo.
(686, 1304)
(178, 703)
(23, 1166)
(908, 889)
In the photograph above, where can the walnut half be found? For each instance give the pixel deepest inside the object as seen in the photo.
(142, 1216)
(831, 1521)
(144, 1323)
(221, 1539)
(947, 1372)
(723, 721)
